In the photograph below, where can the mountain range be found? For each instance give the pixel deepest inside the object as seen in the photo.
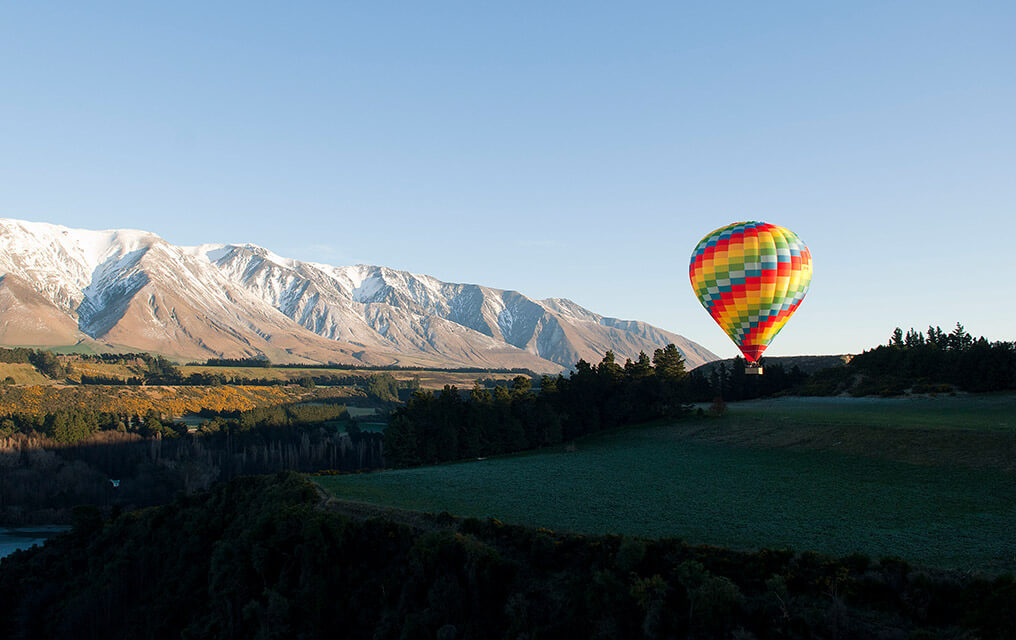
(123, 289)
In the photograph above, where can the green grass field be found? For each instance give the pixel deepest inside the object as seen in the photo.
(726, 482)
(22, 373)
(961, 412)
(977, 431)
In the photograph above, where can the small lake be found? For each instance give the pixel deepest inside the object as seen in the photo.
(191, 420)
(14, 539)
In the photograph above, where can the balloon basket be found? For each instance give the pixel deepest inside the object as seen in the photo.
(753, 371)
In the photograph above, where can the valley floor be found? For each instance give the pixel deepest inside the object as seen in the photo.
(930, 480)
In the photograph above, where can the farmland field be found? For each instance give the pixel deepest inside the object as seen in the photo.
(22, 373)
(106, 370)
(736, 481)
(428, 379)
(977, 431)
(26, 374)
(962, 412)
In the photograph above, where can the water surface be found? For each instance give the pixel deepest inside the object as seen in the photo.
(13, 539)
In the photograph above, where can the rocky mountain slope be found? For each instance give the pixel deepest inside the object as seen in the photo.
(131, 289)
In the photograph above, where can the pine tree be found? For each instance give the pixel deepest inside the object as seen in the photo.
(669, 363)
(641, 369)
(609, 369)
(897, 338)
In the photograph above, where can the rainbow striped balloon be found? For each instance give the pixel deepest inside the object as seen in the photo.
(751, 277)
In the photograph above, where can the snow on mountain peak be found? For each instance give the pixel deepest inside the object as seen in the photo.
(210, 252)
(242, 299)
(368, 288)
(89, 248)
(271, 256)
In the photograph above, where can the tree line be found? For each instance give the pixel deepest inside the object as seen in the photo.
(923, 362)
(452, 424)
(956, 358)
(396, 367)
(449, 425)
(931, 361)
(382, 387)
(236, 362)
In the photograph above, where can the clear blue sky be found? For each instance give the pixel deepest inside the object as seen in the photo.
(573, 150)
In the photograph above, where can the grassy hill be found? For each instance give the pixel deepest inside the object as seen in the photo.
(22, 373)
(930, 480)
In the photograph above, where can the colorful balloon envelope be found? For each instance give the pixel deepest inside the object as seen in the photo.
(751, 277)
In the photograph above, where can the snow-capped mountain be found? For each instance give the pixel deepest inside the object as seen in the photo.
(125, 288)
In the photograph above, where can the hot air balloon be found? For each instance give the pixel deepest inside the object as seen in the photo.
(751, 277)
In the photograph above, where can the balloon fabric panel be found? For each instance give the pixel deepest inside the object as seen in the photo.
(751, 277)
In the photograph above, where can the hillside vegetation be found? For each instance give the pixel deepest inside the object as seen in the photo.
(42, 479)
(136, 401)
(267, 557)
